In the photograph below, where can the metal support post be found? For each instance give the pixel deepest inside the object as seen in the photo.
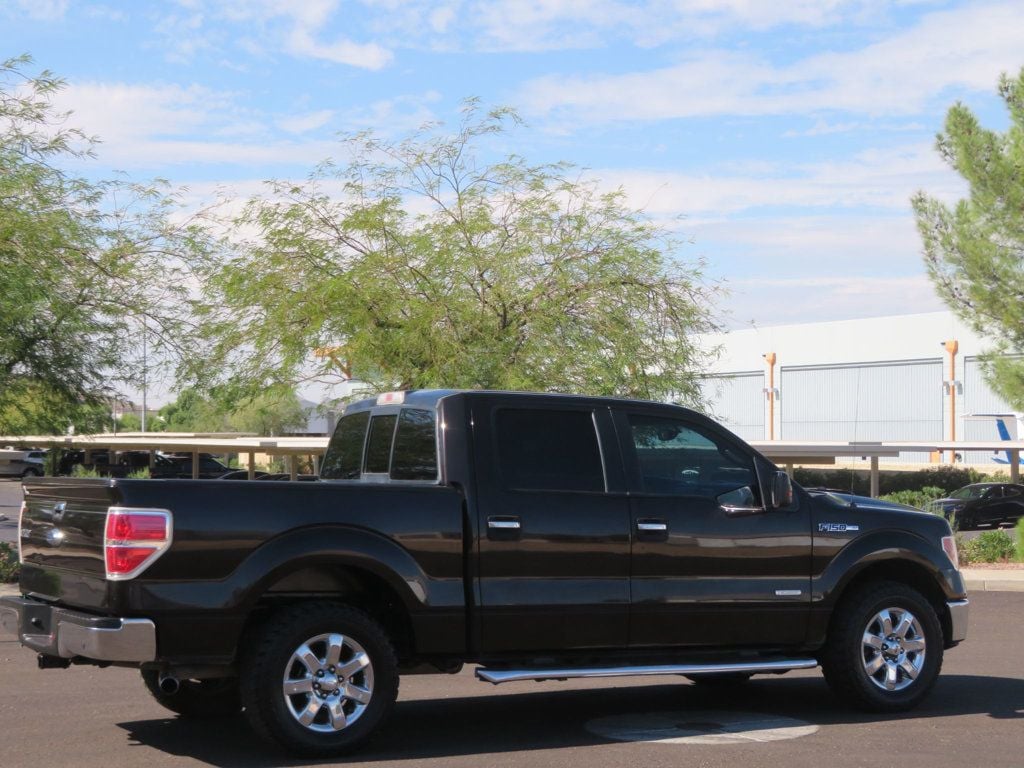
(874, 477)
(252, 465)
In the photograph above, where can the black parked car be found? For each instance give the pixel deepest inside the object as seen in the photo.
(982, 503)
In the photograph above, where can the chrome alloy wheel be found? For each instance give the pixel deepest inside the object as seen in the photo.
(328, 683)
(893, 649)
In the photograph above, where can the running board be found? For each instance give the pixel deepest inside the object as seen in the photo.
(515, 675)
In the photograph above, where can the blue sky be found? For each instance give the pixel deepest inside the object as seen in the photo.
(789, 136)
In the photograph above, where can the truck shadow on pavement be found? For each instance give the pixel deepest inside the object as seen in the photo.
(549, 719)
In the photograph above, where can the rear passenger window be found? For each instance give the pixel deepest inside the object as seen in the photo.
(344, 455)
(378, 444)
(548, 450)
(415, 453)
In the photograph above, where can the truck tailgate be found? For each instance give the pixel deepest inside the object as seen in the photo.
(62, 530)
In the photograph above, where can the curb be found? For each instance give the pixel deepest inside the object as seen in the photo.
(993, 585)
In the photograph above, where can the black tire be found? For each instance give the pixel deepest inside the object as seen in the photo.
(32, 472)
(216, 697)
(269, 663)
(966, 522)
(721, 679)
(848, 658)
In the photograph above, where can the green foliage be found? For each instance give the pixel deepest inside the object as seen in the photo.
(83, 266)
(1020, 540)
(129, 422)
(990, 547)
(272, 412)
(9, 566)
(80, 470)
(418, 264)
(142, 473)
(974, 251)
(919, 499)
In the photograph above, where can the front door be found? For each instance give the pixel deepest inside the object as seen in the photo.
(554, 527)
(710, 565)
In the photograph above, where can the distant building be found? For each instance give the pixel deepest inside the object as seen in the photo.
(880, 378)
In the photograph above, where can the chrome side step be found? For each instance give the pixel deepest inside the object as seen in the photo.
(515, 675)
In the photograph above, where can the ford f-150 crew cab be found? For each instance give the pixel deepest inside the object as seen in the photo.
(537, 536)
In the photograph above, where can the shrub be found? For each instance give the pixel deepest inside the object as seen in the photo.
(142, 473)
(920, 499)
(990, 547)
(1020, 540)
(947, 478)
(80, 470)
(9, 566)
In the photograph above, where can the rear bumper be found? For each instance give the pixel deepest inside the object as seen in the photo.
(958, 613)
(69, 634)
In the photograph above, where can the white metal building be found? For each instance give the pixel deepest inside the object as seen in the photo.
(881, 378)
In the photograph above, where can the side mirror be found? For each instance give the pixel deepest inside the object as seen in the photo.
(782, 491)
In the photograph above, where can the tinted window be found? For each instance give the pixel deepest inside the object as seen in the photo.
(378, 444)
(345, 452)
(676, 457)
(549, 450)
(1012, 490)
(415, 454)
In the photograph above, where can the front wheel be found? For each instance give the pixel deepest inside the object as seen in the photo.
(319, 678)
(884, 650)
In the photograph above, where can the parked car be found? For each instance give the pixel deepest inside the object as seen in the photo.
(164, 465)
(22, 463)
(541, 537)
(982, 504)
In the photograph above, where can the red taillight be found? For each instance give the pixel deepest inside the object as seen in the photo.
(123, 525)
(133, 539)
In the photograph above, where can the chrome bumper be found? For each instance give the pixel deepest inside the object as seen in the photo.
(69, 634)
(958, 610)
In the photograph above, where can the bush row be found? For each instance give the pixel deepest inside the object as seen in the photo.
(945, 477)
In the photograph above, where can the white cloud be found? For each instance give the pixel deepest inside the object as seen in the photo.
(779, 302)
(297, 28)
(158, 125)
(306, 122)
(966, 47)
(43, 10)
(883, 179)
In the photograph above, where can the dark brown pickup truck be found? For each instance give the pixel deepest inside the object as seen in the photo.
(537, 536)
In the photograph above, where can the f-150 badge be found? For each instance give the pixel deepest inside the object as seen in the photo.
(837, 528)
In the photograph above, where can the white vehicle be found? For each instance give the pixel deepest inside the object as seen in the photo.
(22, 463)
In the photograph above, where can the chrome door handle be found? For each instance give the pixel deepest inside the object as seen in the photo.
(500, 524)
(651, 526)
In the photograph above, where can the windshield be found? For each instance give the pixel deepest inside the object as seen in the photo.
(969, 492)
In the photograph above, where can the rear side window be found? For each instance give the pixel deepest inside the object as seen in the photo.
(548, 450)
(415, 453)
(344, 456)
(378, 444)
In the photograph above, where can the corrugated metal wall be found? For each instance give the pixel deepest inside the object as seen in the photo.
(737, 401)
(978, 398)
(894, 400)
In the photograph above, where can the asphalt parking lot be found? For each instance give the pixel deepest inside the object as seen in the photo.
(92, 717)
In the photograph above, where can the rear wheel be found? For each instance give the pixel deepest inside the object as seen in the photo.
(216, 697)
(319, 678)
(884, 649)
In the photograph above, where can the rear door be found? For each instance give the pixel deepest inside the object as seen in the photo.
(554, 526)
(710, 566)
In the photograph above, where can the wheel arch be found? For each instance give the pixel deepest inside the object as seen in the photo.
(893, 556)
(340, 581)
